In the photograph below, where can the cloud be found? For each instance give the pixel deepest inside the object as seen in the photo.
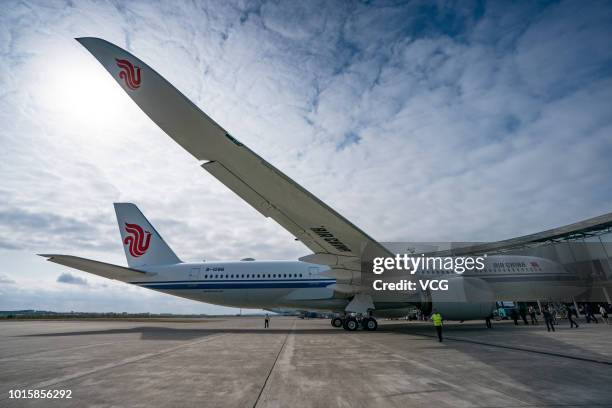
(5, 280)
(419, 121)
(68, 278)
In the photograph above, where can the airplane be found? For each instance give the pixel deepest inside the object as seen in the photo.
(334, 277)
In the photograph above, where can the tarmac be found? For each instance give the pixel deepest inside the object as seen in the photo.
(235, 362)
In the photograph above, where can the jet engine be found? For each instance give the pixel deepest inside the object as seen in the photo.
(466, 298)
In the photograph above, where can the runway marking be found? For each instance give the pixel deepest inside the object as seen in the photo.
(273, 365)
(65, 378)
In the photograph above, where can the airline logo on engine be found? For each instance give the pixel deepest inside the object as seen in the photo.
(138, 240)
(129, 73)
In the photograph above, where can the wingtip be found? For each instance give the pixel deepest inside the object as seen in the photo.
(48, 256)
(81, 39)
(90, 41)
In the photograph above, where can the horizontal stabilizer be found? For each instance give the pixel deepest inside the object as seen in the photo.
(106, 270)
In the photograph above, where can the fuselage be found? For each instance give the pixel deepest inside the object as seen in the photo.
(301, 285)
(247, 284)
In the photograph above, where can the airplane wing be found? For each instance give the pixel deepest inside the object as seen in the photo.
(334, 240)
(106, 270)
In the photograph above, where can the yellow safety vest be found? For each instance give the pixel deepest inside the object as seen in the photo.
(437, 319)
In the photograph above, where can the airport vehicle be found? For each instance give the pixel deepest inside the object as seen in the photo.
(333, 278)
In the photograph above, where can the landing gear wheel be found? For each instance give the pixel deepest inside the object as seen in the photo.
(350, 324)
(369, 324)
(336, 322)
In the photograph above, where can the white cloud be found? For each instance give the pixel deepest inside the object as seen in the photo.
(70, 279)
(477, 123)
(5, 280)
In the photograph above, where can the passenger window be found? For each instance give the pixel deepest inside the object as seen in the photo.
(300, 275)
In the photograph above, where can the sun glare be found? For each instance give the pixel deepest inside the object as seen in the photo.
(82, 92)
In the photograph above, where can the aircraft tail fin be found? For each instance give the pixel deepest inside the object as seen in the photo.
(142, 243)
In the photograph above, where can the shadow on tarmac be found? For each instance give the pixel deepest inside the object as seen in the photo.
(525, 339)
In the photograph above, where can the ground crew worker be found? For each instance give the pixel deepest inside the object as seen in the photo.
(588, 311)
(514, 315)
(570, 312)
(436, 318)
(532, 314)
(523, 313)
(267, 321)
(604, 313)
(548, 319)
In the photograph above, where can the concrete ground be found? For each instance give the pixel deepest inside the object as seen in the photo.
(234, 362)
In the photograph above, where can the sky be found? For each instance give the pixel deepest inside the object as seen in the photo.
(417, 121)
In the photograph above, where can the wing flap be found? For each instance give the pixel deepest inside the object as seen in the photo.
(105, 270)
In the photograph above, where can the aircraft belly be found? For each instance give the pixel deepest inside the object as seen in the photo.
(311, 298)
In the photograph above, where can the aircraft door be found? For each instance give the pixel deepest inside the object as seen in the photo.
(194, 274)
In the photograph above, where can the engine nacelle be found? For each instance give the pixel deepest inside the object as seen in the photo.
(466, 298)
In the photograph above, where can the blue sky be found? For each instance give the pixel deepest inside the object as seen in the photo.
(417, 121)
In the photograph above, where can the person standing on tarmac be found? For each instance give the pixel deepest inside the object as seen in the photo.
(570, 312)
(548, 319)
(604, 313)
(267, 321)
(532, 314)
(436, 318)
(588, 311)
(523, 313)
(514, 315)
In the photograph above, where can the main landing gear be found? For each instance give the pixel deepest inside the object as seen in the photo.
(352, 323)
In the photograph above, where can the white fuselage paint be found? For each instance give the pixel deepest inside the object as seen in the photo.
(304, 286)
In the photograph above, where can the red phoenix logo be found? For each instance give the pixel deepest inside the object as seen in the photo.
(129, 73)
(138, 239)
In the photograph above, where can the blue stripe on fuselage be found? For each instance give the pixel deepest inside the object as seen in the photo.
(253, 284)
